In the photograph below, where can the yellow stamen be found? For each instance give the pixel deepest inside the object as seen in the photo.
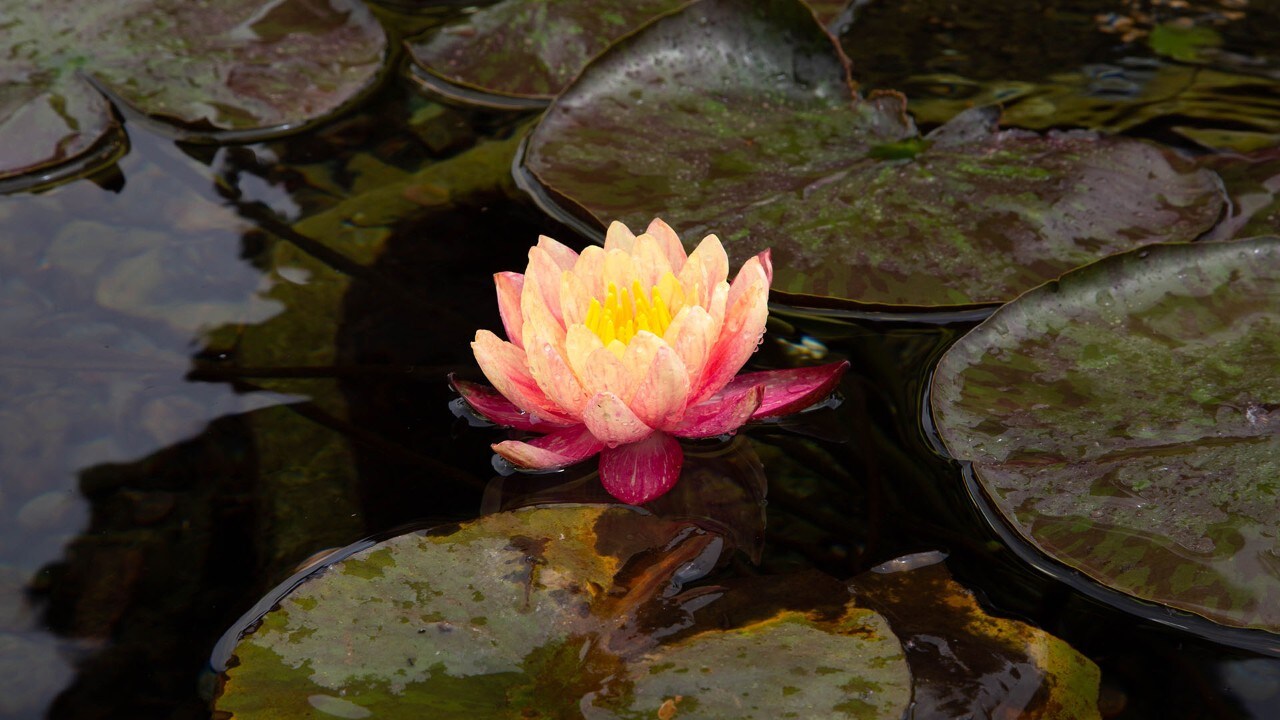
(623, 313)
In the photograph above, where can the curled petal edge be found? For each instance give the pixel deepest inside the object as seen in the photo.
(722, 413)
(494, 407)
(790, 390)
(561, 448)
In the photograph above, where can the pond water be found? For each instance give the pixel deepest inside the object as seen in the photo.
(218, 361)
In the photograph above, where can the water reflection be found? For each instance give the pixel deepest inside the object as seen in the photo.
(104, 292)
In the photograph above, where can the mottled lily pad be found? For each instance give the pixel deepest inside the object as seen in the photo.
(520, 53)
(249, 67)
(738, 118)
(1126, 422)
(967, 663)
(551, 612)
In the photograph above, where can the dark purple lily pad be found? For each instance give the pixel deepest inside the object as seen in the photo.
(738, 118)
(1126, 422)
(248, 67)
(520, 53)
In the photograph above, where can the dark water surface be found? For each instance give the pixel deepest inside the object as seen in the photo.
(212, 368)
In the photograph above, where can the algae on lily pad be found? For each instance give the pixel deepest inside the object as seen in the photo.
(739, 118)
(550, 612)
(1125, 421)
(250, 67)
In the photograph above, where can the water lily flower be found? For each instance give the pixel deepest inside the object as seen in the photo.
(621, 349)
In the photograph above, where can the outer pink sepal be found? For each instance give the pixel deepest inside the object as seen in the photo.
(561, 448)
(790, 390)
(498, 410)
(641, 471)
(721, 413)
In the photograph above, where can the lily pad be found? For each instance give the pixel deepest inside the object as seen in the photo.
(520, 53)
(550, 612)
(739, 118)
(967, 663)
(1125, 421)
(242, 66)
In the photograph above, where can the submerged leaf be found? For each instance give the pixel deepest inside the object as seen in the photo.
(738, 118)
(967, 663)
(1126, 421)
(247, 66)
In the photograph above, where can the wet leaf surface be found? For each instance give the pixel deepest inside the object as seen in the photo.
(243, 66)
(859, 209)
(966, 663)
(551, 612)
(523, 52)
(1124, 421)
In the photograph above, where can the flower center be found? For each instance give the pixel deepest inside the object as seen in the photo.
(626, 312)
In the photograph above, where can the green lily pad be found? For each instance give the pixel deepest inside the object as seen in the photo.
(242, 66)
(738, 118)
(967, 663)
(1126, 422)
(550, 612)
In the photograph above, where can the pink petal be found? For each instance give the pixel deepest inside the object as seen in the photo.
(564, 256)
(542, 284)
(619, 237)
(619, 270)
(605, 372)
(510, 285)
(707, 267)
(507, 368)
(637, 360)
(551, 370)
(791, 390)
(650, 260)
(691, 334)
(670, 243)
(612, 421)
(495, 408)
(641, 471)
(744, 321)
(556, 450)
(660, 399)
(589, 268)
(766, 263)
(722, 413)
(575, 299)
